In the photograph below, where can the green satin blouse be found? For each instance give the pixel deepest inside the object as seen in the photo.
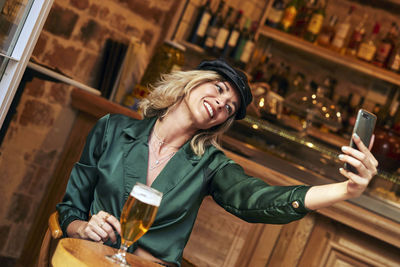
(115, 158)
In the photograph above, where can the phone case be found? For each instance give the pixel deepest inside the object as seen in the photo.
(364, 128)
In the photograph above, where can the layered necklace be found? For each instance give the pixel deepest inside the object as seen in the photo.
(159, 161)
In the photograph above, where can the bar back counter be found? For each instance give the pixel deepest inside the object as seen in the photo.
(351, 233)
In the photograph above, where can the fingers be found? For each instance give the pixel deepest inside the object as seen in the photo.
(364, 149)
(101, 227)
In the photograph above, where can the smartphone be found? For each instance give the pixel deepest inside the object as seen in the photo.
(364, 128)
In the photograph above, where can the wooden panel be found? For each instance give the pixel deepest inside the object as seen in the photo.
(217, 237)
(292, 241)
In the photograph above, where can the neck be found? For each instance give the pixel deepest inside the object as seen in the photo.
(173, 129)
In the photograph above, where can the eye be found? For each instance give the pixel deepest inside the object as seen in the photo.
(219, 88)
(229, 109)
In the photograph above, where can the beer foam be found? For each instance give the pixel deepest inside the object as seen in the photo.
(147, 195)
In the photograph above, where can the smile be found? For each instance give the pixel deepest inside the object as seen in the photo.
(209, 108)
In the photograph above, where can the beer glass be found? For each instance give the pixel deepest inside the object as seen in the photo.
(137, 216)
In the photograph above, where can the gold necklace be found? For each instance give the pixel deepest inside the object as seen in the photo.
(160, 141)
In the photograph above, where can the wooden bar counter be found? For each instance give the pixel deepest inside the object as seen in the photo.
(342, 234)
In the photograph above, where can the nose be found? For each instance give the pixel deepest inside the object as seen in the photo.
(220, 102)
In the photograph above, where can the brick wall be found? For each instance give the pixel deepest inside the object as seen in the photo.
(72, 41)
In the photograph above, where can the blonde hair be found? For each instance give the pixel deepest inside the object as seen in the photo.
(170, 91)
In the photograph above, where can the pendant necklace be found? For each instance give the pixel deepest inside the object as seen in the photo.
(163, 159)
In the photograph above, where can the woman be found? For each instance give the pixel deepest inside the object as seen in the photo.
(174, 149)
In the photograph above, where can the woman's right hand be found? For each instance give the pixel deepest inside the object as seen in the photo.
(99, 228)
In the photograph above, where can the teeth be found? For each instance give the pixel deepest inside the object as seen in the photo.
(209, 109)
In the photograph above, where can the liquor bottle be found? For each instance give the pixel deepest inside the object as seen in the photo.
(223, 33)
(233, 36)
(385, 47)
(212, 29)
(367, 49)
(200, 25)
(244, 35)
(275, 13)
(357, 37)
(248, 46)
(289, 15)
(327, 32)
(315, 24)
(342, 31)
(394, 60)
(305, 10)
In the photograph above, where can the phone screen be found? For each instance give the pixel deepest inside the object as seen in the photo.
(364, 128)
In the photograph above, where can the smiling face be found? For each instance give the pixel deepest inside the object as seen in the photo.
(212, 103)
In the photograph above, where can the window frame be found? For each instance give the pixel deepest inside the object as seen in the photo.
(22, 51)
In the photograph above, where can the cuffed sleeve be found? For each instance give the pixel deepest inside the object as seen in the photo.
(253, 200)
(79, 193)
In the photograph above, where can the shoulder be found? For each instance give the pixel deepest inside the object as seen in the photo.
(217, 158)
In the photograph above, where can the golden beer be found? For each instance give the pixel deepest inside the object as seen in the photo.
(139, 213)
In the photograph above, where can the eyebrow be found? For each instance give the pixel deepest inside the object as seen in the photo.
(228, 89)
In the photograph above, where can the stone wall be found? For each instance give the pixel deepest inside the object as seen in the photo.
(72, 42)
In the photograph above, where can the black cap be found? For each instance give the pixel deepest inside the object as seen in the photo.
(235, 77)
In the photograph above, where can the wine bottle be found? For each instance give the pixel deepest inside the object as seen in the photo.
(342, 31)
(233, 37)
(327, 32)
(212, 29)
(289, 15)
(248, 46)
(244, 35)
(223, 33)
(315, 24)
(275, 13)
(357, 37)
(305, 11)
(367, 49)
(200, 25)
(385, 47)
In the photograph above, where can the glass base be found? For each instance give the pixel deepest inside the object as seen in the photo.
(118, 259)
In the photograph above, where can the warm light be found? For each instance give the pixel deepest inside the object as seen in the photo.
(332, 106)
(311, 145)
(338, 114)
(327, 115)
(314, 102)
(314, 96)
(261, 103)
(304, 98)
(255, 126)
(324, 108)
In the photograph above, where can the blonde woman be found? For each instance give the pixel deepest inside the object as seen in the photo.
(174, 149)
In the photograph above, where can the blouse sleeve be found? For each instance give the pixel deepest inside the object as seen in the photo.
(79, 193)
(253, 200)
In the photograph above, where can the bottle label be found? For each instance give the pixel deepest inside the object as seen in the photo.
(211, 34)
(366, 51)
(201, 30)
(395, 63)
(233, 39)
(324, 39)
(383, 52)
(288, 17)
(275, 15)
(247, 50)
(315, 23)
(221, 38)
(340, 35)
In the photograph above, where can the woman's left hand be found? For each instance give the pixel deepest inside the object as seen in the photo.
(365, 163)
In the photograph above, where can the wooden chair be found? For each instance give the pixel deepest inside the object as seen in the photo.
(50, 240)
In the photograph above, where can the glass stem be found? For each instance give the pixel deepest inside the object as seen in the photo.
(122, 250)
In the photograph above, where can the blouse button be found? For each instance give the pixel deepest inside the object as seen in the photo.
(295, 204)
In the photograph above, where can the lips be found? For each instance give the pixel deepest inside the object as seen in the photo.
(209, 109)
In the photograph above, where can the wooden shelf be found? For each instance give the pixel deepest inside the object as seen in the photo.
(344, 60)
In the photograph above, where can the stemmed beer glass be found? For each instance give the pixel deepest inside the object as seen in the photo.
(137, 216)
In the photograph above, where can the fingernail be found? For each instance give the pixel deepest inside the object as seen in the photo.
(341, 156)
(356, 136)
(344, 148)
(340, 169)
